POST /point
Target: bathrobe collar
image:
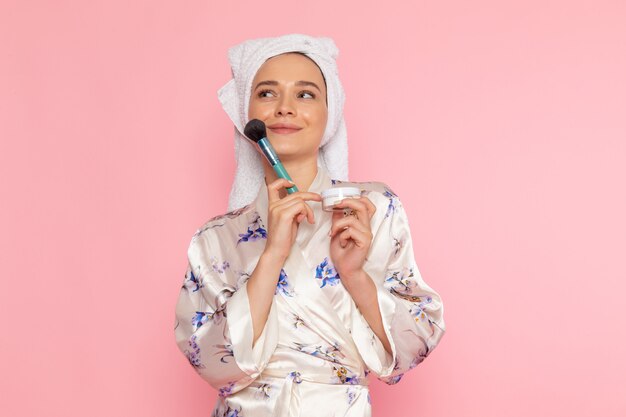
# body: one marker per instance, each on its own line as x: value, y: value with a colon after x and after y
x: 303, y: 266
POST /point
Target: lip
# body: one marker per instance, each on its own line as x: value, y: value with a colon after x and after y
x: 284, y: 128
x: 284, y: 125
x: 284, y: 131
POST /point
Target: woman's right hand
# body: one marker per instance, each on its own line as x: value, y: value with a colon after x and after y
x: 284, y: 216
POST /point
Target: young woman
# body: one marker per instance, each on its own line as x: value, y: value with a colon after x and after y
x: 286, y: 308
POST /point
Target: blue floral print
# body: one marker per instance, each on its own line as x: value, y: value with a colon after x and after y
x: 351, y: 391
x: 417, y: 308
x: 330, y: 353
x: 393, y: 379
x: 200, y: 318
x: 263, y: 391
x: 296, y: 376
x: 225, y: 391
x: 203, y: 317
x: 221, y: 261
x: 326, y: 273
x: 217, y: 267
x: 393, y: 199
x: 342, y: 374
x: 193, y: 355
x: 416, y: 361
x: 255, y: 231
x: 228, y: 412
x: 191, y: 278
x: 283, y: 285
x: 402, y: 283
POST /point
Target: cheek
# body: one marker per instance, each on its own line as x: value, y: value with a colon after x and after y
x: 319, y: 118
x: 323, y: 119
x: 257, y: 110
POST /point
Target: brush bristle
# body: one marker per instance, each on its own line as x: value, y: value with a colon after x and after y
x: 255, y: 130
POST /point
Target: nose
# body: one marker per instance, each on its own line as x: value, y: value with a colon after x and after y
x: 285, y: 106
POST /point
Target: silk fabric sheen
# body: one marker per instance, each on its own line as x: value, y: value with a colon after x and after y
x: 316, y: 349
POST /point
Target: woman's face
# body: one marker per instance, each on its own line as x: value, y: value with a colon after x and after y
x: 289, y: 90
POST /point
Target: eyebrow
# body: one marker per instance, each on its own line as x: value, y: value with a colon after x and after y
x: 298, y: 83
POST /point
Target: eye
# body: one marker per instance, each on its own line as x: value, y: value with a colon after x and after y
x: 309, y: 93
x: 263, y: 92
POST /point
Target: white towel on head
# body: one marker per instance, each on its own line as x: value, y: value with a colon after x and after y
x: 245, y: 60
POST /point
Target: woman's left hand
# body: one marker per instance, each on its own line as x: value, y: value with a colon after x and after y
x: 351, y: 238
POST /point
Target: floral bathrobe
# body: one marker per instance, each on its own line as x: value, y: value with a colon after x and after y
x: 316, y: 349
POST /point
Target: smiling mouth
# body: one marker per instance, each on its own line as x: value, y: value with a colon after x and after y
x: 284, y: 130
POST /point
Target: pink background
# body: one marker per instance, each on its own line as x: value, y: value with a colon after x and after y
x: 501, y: 125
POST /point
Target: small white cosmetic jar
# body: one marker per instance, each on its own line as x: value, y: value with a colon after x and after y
x: 333, y: 196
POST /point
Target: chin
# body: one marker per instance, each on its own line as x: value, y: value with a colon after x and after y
x: 287, y: 154
x: 287, y: 145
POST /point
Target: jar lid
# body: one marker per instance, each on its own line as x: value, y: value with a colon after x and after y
x: 341, y: 192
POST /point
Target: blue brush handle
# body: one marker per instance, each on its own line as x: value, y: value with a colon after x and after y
x: 271, y: 156
x: 282, y: 173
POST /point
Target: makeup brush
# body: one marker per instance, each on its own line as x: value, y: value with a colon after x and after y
x: 255, y: 131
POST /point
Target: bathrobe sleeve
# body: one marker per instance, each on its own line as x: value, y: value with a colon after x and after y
x: 213, y: 320
x: 412, y: 312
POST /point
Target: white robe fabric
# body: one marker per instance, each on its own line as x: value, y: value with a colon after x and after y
x: 316, y: 349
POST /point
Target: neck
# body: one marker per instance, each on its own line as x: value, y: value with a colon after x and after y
x: 302, y: 173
